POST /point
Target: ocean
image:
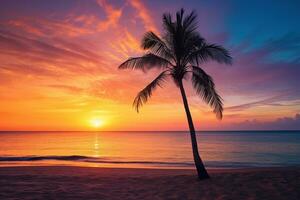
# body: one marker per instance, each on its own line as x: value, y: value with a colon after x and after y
x: 218, y: 149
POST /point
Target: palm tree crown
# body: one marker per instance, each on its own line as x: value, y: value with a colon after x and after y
x: 180, y: 51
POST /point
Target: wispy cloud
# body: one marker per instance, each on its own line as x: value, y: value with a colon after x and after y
x: 283, y: 123
x: 68, y: 88
x: 272, y: 101
x: 58, y: 53
x: 144, y: 14
x: 112, y: 16
x: 48, y: 27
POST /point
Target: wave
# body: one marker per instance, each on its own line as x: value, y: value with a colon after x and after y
x: 74, y: 158
x: 39, y: 158
x: 86, y: 159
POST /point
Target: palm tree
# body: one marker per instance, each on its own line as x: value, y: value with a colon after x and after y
x: 179, y: 53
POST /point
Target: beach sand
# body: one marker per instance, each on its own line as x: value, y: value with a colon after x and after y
x: 55, y: 182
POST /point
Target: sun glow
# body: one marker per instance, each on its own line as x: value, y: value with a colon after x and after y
x: 96, y: 123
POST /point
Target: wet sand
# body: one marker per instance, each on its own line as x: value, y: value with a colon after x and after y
x: 62, y: 182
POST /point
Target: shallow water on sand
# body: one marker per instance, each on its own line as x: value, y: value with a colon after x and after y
x: 238, y: 149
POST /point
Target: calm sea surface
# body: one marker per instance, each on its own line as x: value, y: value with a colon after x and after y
x: 150, y: 149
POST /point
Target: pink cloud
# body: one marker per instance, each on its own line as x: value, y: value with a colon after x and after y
x: 113, y: 16
x: 283, y: 123
x: 144, y: 14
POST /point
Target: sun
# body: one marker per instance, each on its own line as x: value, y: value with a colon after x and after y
x: 96, y: 123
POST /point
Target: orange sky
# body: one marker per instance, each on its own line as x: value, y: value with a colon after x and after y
x: 59, y: 72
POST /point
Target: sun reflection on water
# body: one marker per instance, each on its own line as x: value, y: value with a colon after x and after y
x: 96, y: 145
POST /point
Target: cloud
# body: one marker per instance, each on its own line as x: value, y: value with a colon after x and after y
x: 273, y: 101
x: 113, y: 16
x: 69, y: 25
x: 69, y: 88
x: 48, y: 27
x: 20, y: 43
x: 284, y: 123
x: 124, y: 46
x: 30, y: 55
x: 288, y: 42
x: 144, y: 14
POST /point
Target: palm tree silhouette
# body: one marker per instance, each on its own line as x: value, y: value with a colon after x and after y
x: 180, y: 52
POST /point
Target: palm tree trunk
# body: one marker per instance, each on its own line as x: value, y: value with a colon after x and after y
x: 202, y: 173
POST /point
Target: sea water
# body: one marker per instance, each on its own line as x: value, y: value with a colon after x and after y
x: 218, y: 149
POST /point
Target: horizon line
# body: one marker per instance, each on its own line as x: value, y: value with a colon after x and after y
x: 145, y: 130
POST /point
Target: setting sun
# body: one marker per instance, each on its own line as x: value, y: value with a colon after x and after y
x: 96, y: 123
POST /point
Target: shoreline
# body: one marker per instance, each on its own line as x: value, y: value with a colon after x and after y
x: 69, y: 182
x: 219, y: 169
x: 209, y: 169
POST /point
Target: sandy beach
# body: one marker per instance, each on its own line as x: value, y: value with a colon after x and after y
x: 61, y: 182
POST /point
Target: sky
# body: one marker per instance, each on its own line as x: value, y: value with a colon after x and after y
x: 59, y: 60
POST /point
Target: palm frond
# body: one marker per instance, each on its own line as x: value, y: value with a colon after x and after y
x: 156, y: 45
x: 168, y: 24
x: 181, y: 35
x: 210, y: 52
x: 179, y: 17
x: 194, y: 41
x: 143, y: 96
x: 145, y: 62
x: 190, y: 22
x: 205, y: 87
